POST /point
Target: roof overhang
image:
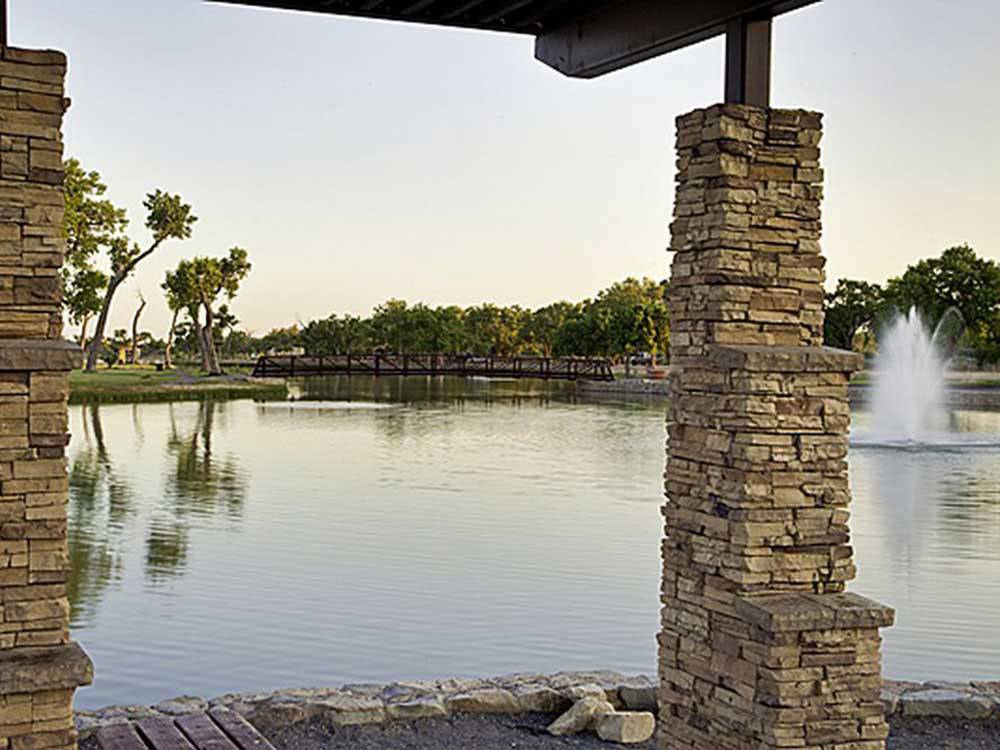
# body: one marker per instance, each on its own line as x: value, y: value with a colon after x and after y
x: 580, y: 38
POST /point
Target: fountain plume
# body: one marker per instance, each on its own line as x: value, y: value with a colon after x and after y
x: 910, y: 370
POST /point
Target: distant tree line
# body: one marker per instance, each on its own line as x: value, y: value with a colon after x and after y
x: 958, y: 279
x: 627, y: 318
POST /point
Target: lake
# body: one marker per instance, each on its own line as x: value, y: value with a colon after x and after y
x: 383, y: 530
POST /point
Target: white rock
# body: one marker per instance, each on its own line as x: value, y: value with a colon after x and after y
x: 626, y: 727
x: 580, y: 717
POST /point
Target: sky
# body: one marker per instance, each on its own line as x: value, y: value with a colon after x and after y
x: 360, y: 160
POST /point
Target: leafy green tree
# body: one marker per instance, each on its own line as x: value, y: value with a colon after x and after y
x: 852, y: 306
x: 958, y: 279
x: 82, y: 296
x: 90, y: 224
x: 178, y: 288
x: 167, y: 217
x: 209, y: 278
x: 541, y: 330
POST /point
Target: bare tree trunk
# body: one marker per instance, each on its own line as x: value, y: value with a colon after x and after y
x: 168, y: 351
x: 133, y: 357
x: 102, y: 321
x: 208, y: 332
x: 83, y: 331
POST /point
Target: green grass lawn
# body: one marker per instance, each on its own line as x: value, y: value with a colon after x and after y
x: 131, y: 384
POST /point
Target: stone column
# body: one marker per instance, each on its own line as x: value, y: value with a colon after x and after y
x: 760, y: 646
x: 39, y: 666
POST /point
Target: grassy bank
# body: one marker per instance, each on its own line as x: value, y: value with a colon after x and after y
x: 137, y: 384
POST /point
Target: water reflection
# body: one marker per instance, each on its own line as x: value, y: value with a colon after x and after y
x: 106, y: 515
x: 436, y: 528
x: 927, y: 527
x: 101, y: 501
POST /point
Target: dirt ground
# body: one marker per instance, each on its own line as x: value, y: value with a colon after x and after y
x: 527, y: 732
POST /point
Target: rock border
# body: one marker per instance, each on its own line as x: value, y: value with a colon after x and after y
x: 354, y: 704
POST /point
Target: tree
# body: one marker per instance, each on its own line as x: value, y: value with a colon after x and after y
x: 180, y: 296
x: 90, y: 223
x: 83, y: 295
x: 225, y: 323
x: 852, y: 306
x: 133, y: 355
x: 958, y: 279
x: 210, y: 278
x: 167, y: 217
x: 542, y: 328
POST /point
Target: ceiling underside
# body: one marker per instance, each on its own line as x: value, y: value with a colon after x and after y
x: 583, y: 38
x: 518, y: 16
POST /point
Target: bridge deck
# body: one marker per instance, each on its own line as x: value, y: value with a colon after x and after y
x: 545, y: 368
x: 219, y: 729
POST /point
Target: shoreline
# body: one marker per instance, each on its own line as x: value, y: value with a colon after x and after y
x: 143, y: 385
x: 381, y: 704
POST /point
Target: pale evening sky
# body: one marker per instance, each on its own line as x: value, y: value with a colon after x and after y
x: 361, y: 160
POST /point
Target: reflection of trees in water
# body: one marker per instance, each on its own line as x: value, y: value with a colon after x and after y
x: 102, y: 501
x: 199, y: 484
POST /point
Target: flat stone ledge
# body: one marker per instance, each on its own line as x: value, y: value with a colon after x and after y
x: 32, y: 355
x: 38, y: 669
x: 793, y: 612
x: 759, y: 358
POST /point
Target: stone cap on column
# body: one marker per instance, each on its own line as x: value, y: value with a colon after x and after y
x: 795, y: 611
x: 759, y: 358
x: 39, y: 354
x: 32, y: 670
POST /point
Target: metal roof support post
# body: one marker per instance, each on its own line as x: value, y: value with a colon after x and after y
x: 748, y: 61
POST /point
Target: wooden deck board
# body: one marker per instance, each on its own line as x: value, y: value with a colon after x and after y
x: 120, y: 737
x: 244, y: 736
x: 219, y: 730
x: 203, y: 733
x: 161, y: 734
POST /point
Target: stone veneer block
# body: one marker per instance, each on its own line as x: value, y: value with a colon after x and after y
x: 39, y: 666
x: 760, y: 647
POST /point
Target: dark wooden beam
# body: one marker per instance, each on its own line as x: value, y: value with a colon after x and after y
x: 3, y: 22
x: 748, y: 61
x: 629, y: 31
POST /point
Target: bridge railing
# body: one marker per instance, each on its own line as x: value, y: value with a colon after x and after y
x: 546, y: 368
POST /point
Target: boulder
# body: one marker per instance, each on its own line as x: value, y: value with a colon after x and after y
x: 182, y: 705
x: 639, y: 694
x: 540, y: 699
x: 488, y: 700
x: 946, y: 704
x: 580, y: 717
x: 417, y: 707
x: 271, y: 716
x: 344, y: 709
x: 626, y: 727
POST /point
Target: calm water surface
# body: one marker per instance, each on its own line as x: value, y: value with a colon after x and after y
x: 436, y: 528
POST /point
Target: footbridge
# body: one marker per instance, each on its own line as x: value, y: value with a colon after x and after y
x: 544, y: 368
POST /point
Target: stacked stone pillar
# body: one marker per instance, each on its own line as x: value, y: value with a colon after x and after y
x: 760, y: 645
x: 39, y: 666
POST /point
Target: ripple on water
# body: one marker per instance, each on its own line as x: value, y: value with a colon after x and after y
x: 235, y: 546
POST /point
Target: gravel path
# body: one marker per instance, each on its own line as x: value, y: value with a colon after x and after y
x: 526, y: 732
